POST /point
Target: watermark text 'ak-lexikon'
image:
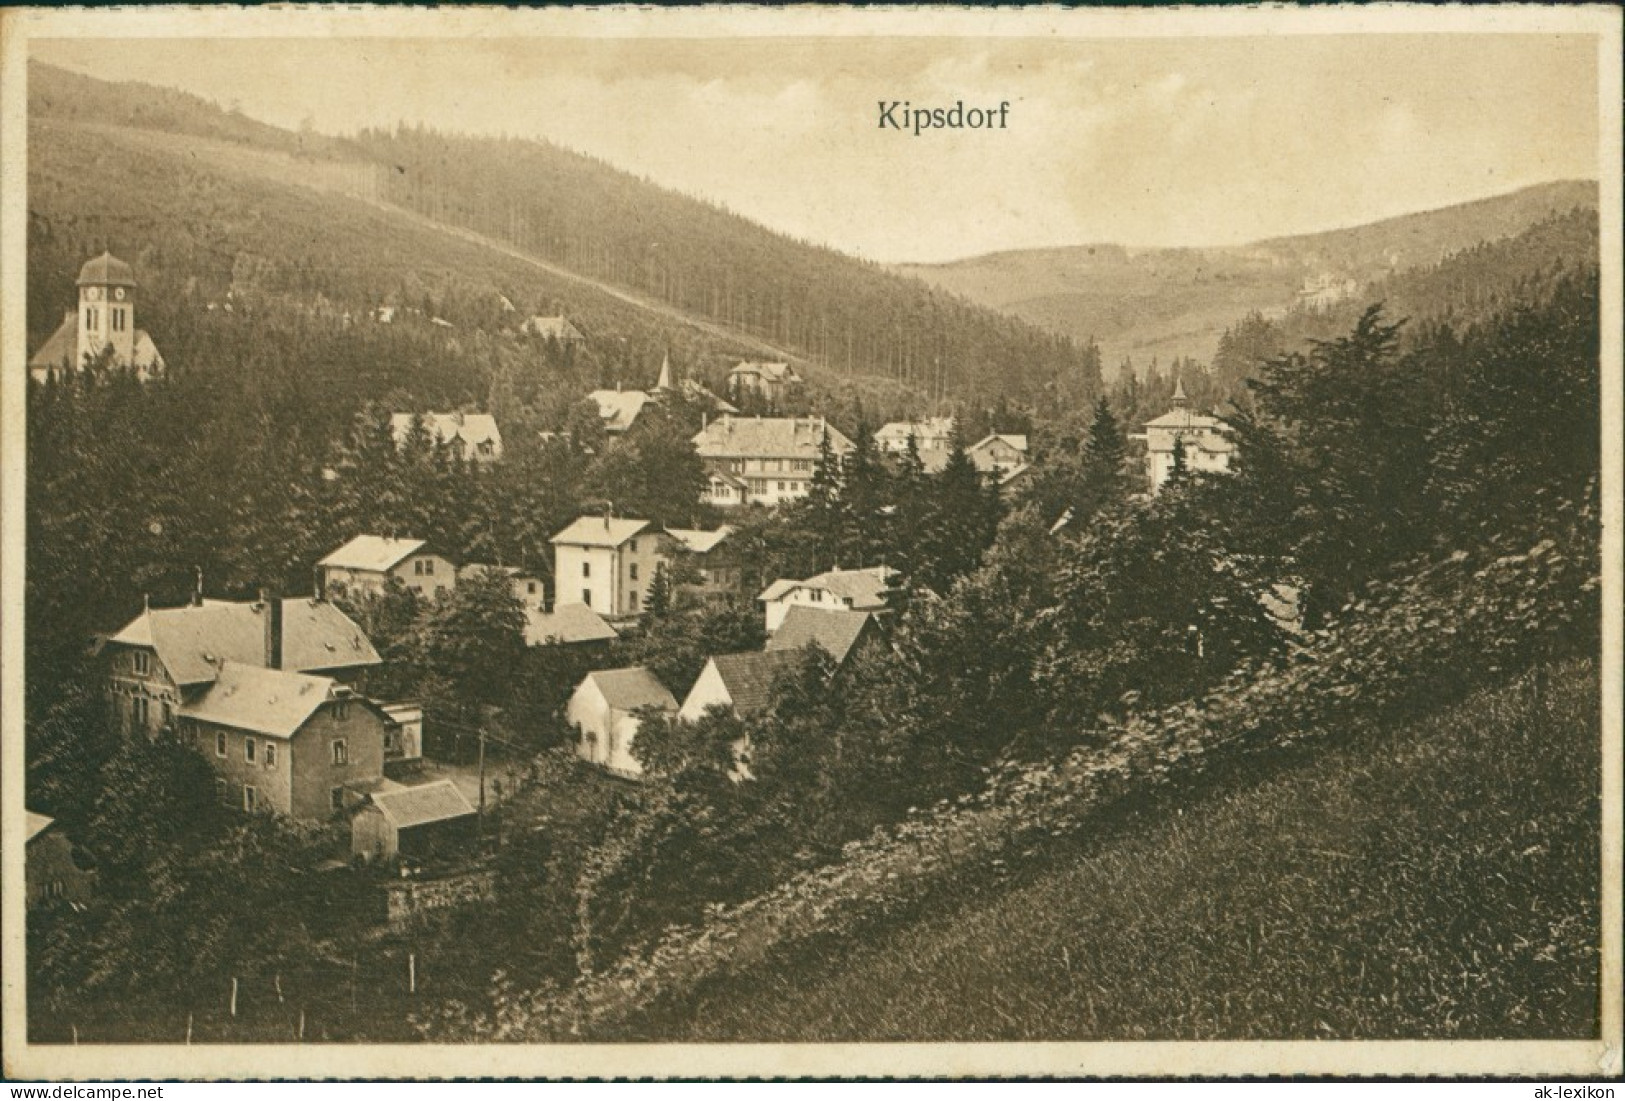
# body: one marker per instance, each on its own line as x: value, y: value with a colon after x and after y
x: 900, y: 114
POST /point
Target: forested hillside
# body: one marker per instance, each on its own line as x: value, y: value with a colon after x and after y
x: 1173, y: 303
x: 851, y: 318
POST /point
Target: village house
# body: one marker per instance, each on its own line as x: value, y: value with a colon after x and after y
x: 703, y: 563
x: 287, y: 742
x: 1206, y: 441
x: 103, y: 323
x: 838, y: 634
x: 930, y: 434
x: 470, y: 437
x: 604, y: 710
x: 559, y: 329
x: 620, y: 409
x: 51, y: 874
x: 413, y: 822
x: 764, y: 460
x: 864, y: 590
x: 166, y: 657
x: 608, y: 561
x: 740, y: 686
x: 367, y: 564
x: 771, y: 382
x: 526, y: 588
x: 567, y: 625
x: 999, y: 454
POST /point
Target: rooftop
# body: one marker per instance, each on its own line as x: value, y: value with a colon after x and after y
x: 266, y: 701
x: 770, y: 437
x: 106, y: 270
x: 696, y: 541
x: 599, y: 531
x: 472, y: 429
x: 749, y: 677
x: 620, y: 408
x: 375, y: 553
x: 630, y: 689
x: 865, y: 589
x: 565, y: 624
x: 192, y: 640
x: 836, y: 633
x: 440, y: 801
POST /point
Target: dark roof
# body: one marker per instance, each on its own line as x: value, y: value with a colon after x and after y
x: 749, y: 677
x: 106, y: 270
x: 837, y: 633
x: 440, y: 801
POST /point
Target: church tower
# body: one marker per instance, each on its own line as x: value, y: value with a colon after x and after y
x: 107, y: 309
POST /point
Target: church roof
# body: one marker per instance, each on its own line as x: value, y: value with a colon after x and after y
x: 106, y: 270
x: 60, y: 347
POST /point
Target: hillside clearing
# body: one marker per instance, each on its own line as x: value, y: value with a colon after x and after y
x: 1437, y: 880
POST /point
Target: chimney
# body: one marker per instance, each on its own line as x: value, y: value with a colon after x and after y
x: 273, y: 630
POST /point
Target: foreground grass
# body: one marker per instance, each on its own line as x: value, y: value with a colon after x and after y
x: 1436, y: 880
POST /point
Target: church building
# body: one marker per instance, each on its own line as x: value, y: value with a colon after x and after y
x: 104, y: 322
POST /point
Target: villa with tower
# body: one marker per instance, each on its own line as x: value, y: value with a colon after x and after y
x: 1204, y: 440
x: 103, y: 323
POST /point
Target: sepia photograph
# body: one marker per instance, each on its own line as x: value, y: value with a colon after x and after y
x: 816, y: 542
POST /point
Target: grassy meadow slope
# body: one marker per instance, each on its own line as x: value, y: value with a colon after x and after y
x: 1175, y: 302
x: 1432, y: 879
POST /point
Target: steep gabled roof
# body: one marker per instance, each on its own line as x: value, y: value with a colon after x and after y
x: 599, y: 531
x: 192, y: 641
x: 630, y: 689
x: 374, y: 553
x: 440, y: 801
x: 565, y: 624
x: 37, y: 824
x: 836, y: 633
x: 265, y: 701
x: 1017, y: 442
x: 749, y: 677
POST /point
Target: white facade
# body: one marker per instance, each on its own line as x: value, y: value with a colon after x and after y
x: 764, y: 460
x: 426, y: 574
x: 608, y: 568
x: 606, y: 728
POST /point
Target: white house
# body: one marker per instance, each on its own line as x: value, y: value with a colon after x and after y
x: 368, y: 562
x: 764, y: 460
x: 930, y: 434
x: 837, y: 590
x: 471, y: 437
x: 603, y: 709
x: 104, y: 322
x: 619, y: 408
x: 1207, y: 444
x: 607, y: 563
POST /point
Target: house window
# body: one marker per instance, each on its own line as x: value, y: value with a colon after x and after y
x: 417, y: 567
x: 586, y: 596
x: 586, y: 569
x: 251, y: 798
x: 248, y: 750
x: 140, y: 705
x: 781, y: 487
x: 341, y: 752
x: 222, y: 792
x: 428, y: 566
x: 341, y: 711
x: 118, y: 321
x: 219, y: 743
x: 634, y: 599
x: 143, y: 662
x: 634, y: 574
x: 530, y: 587
x: 270, y: 754
x: 337, y: 798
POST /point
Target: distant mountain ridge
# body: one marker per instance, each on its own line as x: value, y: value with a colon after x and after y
x: 1175, y: 302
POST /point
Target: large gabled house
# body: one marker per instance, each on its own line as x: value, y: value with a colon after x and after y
x: 771, y: 382
x: 704, y: 564
x: 1206, y: 441
x: 764, y: 460
x: 367, y: 564
x: 998, y: 454
x: 165, y: 658
x: 296, y: 744
x: 608, y: 563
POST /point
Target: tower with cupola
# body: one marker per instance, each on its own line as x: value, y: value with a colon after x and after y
x: 104, y: 323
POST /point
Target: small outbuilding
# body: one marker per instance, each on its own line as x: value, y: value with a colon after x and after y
x: 412, y: 822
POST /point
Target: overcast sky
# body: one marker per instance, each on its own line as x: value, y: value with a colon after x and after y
x: 1183, y: 141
